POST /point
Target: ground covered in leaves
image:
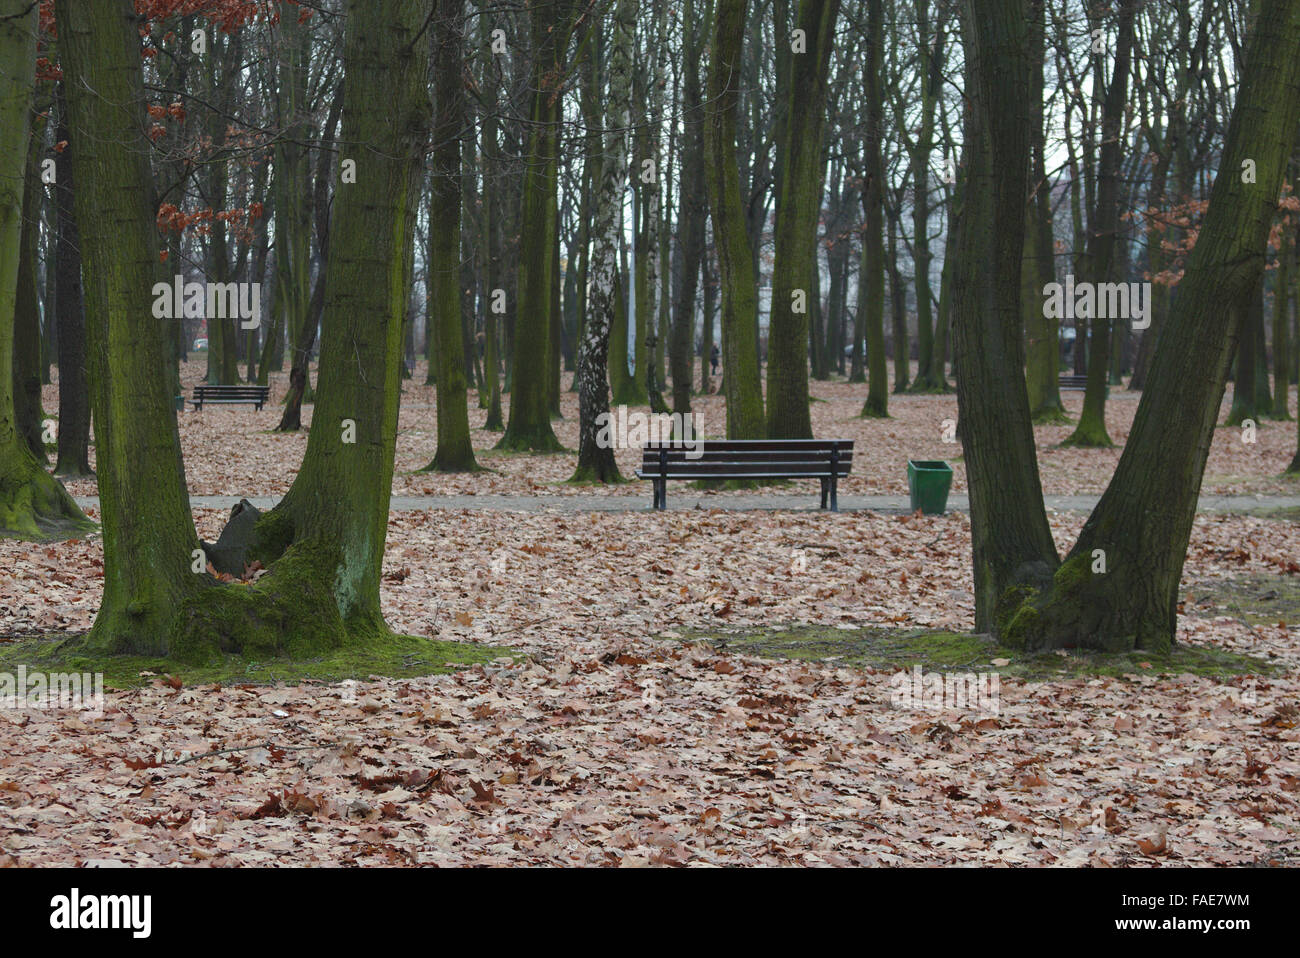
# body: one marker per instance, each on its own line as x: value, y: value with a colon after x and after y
x: 628, y: 722
x: 233, y: 450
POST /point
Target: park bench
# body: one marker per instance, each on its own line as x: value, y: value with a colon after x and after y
x: 1079, y: 383
x: 228, y: 395
x: 826, y: 459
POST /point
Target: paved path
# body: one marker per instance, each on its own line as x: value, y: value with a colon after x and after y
x: 685, y: 499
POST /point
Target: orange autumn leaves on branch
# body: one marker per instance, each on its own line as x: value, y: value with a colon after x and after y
x: 1176, y: 228
x: 239, y: 222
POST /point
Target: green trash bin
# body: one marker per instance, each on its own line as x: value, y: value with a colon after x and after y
x: 928, y: 481
x: 180, y: 403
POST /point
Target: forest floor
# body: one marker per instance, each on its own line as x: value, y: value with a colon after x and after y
x: 702, y: 686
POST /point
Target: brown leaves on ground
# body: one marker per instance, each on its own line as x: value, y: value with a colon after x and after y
x: 235, y: 450
x: 607, y: 746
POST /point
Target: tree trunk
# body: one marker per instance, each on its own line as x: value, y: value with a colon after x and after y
x: 798, y: 211
x: 1102, y: 227
x: 871, y: 279
x: 596, y: 461
x: 1281, y: 307
x: 33, y: 504
x: 28, y: 414
x: 455, y: 453
x: 1011, y: 541
x: 529, y: 428
x: 929, y: 377
x: 293, y: 214
x: 74, y: 399
x: 735, y: 257
x: 1043, y: 333
x: 326, y: 537
x: 1245, y: 405
x: 1139, y: 531
x: 693, y: 210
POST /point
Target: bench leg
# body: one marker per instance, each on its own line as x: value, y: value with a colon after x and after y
x: 826, y: 485
x: 835, y: 499
x: 661, y: 494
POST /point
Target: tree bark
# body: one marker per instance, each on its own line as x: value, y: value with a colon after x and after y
x: 871, y: 277
x: 1011, y: 542
x: 735, y: 256
x: 33, y: 504
x: 74, y: 398
x: 1043, y: 333
x: 596, y: 461
x: 455, y: 453
x: 1102, y: 227
x: 1141, y: 526
x: 529, y: 428
x: 798, y: 211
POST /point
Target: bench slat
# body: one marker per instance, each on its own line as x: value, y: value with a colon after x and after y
x: 758, y: 444
x: 205, y: 395
x: 738, y: 456
x: 826, y: 459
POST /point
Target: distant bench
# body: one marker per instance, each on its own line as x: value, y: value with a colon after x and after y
x: 1076, y: 382
x: 230, y: 395
x: 826, y: 459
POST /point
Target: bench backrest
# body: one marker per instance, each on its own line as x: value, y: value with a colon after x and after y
x: 225, y: 392
x: 755, y: 458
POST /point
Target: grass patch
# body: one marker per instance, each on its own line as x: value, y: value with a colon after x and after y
x: 891, y: 649
x: 1254, y: 599
x: 1284, y: 513
x: 399, y: 656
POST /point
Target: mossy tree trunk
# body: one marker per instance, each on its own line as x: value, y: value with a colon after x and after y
x: 74, y: 397
x: 292, y: 191
x: 798, y: 211
x: 1245, y: 404
x: 326, y: 538
x: 871, y: 277
x: 149, y: 535
x: 455, y: 452
x: 32, y: 503
x: 1042, y: 348
x: 28, y: 414
x: 735, y: 258
x: 929, y: 376
x: 223, y: 332
x: 494, y: 243
x: 650, y: 266
x: 1102, y: 228
x: 1281, y: 321
x: 596, y: 460
x: 693, y: 210
x: 529, y: 427
x: 1141, y: 527
x: 1011, y: 541
x: 897, y: 302
x: 708, y: 295
x: 627, y: 388
x: 1263, y: 394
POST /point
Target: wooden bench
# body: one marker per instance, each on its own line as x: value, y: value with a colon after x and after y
x: 826, y: 459
x: 1079, y: 383
x: 229, y: 395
